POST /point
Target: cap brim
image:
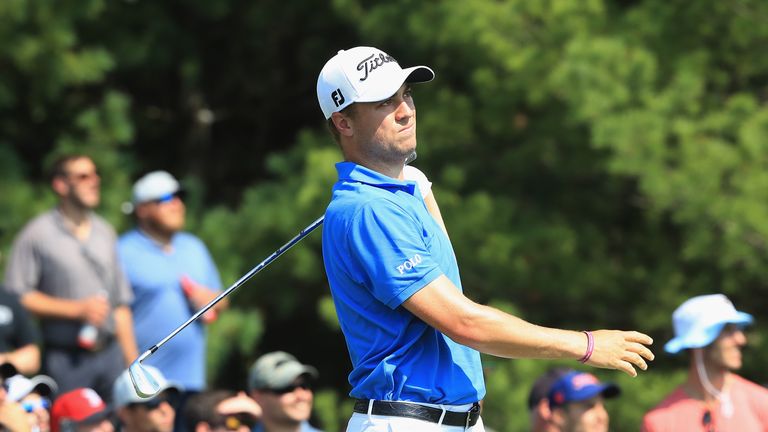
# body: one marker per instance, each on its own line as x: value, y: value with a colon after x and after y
x: 706, y: 336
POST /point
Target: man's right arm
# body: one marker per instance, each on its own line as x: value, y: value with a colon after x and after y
x: 441, y: 305
x: 92, y: 309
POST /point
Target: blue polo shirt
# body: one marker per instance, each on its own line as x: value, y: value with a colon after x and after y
x: 380, y: 246
x: 160, y: 306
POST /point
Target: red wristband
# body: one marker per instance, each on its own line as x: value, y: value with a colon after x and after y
x: 590, y: 347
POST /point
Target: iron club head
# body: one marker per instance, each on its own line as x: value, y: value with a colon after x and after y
x: 143, y: 382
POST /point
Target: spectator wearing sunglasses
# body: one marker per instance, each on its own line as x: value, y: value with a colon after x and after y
x: 34, y: 394
x: 282, y: 387
x: 221, y: 411
x: 713, y: 397
x: 64, y: 268
x: 172, y: 275
x: 136, y: 414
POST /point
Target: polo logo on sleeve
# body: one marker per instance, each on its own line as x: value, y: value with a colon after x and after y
x: 409, y: 264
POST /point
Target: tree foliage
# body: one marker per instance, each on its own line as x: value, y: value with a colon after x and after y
x: 596, y: 162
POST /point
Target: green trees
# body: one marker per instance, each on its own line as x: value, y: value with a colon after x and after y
x: 596, y: 162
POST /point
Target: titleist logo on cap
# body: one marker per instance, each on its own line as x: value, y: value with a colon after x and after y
x: 372, y: 62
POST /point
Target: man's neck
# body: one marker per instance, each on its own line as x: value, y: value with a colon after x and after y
x: 280, y: 427
x: 160, y: 237
x: 76, y: 218
x: 718, y: 377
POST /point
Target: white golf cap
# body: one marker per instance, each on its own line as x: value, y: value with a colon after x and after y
x: 20, y: 386
x: 153, y: 186
x: 699, y: 321
x: 124, y: 394
x: 363, y: 74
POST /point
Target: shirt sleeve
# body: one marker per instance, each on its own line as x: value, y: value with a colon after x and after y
x: 390, y: 246
x: 25, y: 331
x: 22, y: 274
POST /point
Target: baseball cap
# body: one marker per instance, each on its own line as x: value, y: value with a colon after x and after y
x: 154, y: 185
x: 82, y: 405
x: 276, y: 370
x: 578, y: 386
x: 363, y: 74
x: 699, y: 320
x: 123, y: 392
x: 20, y: 386
x: 541, y: 386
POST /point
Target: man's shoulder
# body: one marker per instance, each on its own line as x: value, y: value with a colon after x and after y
x: 39, y: 225
x: 755, y: 390
x: 186, y: 238
x: 670, y: 406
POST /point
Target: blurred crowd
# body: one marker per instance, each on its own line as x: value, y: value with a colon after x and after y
x: 101, y: 298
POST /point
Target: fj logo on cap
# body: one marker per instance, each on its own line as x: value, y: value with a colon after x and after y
x: 338, y: 97
x: 372, y: 62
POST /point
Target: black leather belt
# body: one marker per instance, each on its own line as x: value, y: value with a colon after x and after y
x: 421, y: 412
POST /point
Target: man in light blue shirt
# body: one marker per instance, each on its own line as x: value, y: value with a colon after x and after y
x: 172, y: 275
x: 413, y: 337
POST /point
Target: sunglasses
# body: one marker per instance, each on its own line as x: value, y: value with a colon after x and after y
x: 235, y: 421
x: 81, y: 177
x: 168, y: 197
x: 291, y: 388
x: 32, y: 406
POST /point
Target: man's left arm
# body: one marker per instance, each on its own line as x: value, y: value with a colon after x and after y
x: 124, y: 333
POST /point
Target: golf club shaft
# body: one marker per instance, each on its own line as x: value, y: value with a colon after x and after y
x: 236, y: 285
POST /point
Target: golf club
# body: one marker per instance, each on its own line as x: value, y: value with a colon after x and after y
x: 143, y: 382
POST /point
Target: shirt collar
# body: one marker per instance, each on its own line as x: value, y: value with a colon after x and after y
x: 352, y: 172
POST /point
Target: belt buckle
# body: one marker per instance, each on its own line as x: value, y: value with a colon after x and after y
x: 475, y: 408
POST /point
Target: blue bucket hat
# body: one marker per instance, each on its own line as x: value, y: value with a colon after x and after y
x: 699, y: 321
x: 578, y: 386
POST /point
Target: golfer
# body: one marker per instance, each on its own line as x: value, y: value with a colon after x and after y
x: 413, y: 337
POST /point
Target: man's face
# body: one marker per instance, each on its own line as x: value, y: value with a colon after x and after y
x: 80, y: 184
x: 725, y: 352
x: 583, y: 416
x: 166, y: 214
x: 157, y: 415
x: 288, y: 406
x: 386, y: 130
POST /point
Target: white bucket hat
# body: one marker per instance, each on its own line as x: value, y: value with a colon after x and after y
x: 699, y: 320
x: 363, y: 74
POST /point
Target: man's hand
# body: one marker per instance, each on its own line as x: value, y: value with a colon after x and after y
x: 94, y: 310
x: 621, y: 350
x: 13, y: 417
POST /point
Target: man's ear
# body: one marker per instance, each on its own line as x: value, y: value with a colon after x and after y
x: 202, y: 427
x: 59, y: 186
x: 558, y: 416
x: 542, y: 408
x: 343, y: 124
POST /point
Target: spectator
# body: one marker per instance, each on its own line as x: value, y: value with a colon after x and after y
x: 577, y: 403
x: 714, y: 397
x: 18, y: 335
x: 172, y: 275
x: 136, y: 414
x: 538, y: 401
x: 80, y: 410
x: 34, y: 394
x: 64, y: 267
x: 13, y: 418
x: 283, y: 389
x: 220, y: 410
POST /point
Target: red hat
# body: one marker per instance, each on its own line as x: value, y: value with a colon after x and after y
x: 81, y: 405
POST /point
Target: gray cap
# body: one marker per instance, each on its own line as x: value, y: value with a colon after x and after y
x: 277, y: 370
x: 124, y: 394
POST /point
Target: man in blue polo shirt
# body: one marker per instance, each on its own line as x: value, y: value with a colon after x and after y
x: 412, y: 336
